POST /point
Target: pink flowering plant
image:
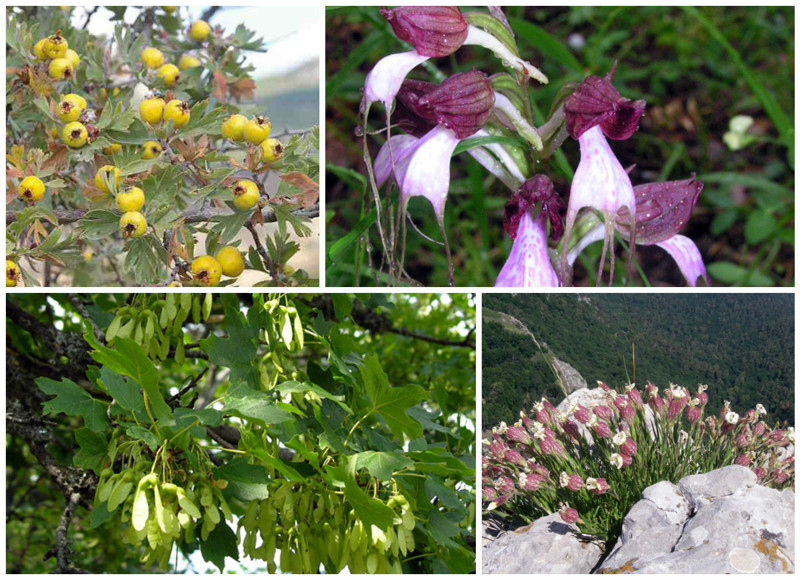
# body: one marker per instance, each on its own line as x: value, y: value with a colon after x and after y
x: 590, y: 462
x: 488, y: 114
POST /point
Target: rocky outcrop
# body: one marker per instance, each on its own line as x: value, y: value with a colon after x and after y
x: 570, y: 377
x: 548, y: 544
x: 720, y: 522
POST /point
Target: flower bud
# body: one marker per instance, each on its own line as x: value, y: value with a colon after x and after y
x: 518, y: 434
x: 434, y: 31
x: 550, y: 446
x: 568, y: 514
x: 603, y: 412
x: 628, y: 448
x: 742, y: 460
x: 602, y: 430
x: 514, y: 456
x: 463, y: 103
x: 693, y: 414
x: 582, y: 414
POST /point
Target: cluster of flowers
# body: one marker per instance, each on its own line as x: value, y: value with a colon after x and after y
x: 577, y: 457
x: 436, y: 118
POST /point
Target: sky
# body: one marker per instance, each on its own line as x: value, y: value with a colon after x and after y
x: 294, y: 34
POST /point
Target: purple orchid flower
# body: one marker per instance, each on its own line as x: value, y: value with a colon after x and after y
x: 662, y: 209
x: 596, y: 110
x: 455, y: 110
x: 435, y: 31
x: 529, y: 265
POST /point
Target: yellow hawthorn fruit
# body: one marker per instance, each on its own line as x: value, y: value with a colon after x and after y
x: 170, y: 74
x: 245, y: 194
x: 199, y: 30
x: 151, y: 150
x: 12, y: 274
x: 70, y: 107
x: 272, y: 150
x: 132, y: 224
x: 206, y: 270
x: 75, y: 135
x: 188, y: 61
x: 257, y: 129
x: 152, y: 110
x: 55, y: 46
x: 60, y: 69
x: 131, y: 200
x: 102, y: 178
x: 113, y: 148
x: 73, y: 58
x: 31, y: 189
x: 178, y: 112
x: 288, y: 270
x: 230, y: 260
x: 152, y: 57
x: 233, y: 127
x: 38, y: 50
x: 169, y: 9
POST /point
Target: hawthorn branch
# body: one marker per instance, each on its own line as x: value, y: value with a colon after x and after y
x: 204, y: 214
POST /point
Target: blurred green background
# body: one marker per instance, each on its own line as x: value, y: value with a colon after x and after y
x: 696, y: 67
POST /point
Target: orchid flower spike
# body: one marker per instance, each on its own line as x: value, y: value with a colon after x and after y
x: 596, y: 110
x: 456, y: 109
x: 434, y: 31
x: 525, y: 221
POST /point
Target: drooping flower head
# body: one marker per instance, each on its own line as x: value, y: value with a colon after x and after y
x: 568, y: 515
x: 596, y: 109
x: 434, y: 31
x: 597, y: 486
x: 526, y: 216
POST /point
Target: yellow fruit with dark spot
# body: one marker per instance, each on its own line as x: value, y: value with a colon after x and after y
x: 151, y: 150
x: 170, y: 74
x: 55, y: 46
x: 131, y: 200
x: 245, y: 194
x: 152, y: 110
x: 113, y: 148
x: 38, y: 50
x: 178, y: 112
x: 272, y: 150
x: 206, y: 270
x: 75, y: 135
x: 132, y: 224
x: 103, y: 178
x: 233, y: 127
x: 230, y: 260
x: 31, y: 189
x: 257, y: 129
x: 73, y: 58
x: 152, y: 57
x: 12, y: 274
x: 70, y: 107
x: 188, y: 61
x: 60, y: 69
x: 199, y: 30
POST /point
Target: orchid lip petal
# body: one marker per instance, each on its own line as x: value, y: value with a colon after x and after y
x: 482, y: 38
x: 600, y: 181
x: 528, y: 264
x: 687, y: 256
x: 395, y: 149
x: 596, y: 234
x: 425, y: 169
x: 384, y: 80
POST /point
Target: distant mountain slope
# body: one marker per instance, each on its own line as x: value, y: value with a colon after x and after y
x: 741, y: 345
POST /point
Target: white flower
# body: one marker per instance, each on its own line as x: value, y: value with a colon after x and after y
x: 790, y: 434
x: 592, y: 420
x: 617, y: 460
x: 619, y: 438
x: 760, y: 410
x: 573, y: 406
x: 563, y: 479
x: 702, y: 388
x: 486, y: 442
x: 538, y: 430
x: 538, y: 406
x: 731, y: 417
x: 501, y: 429
x: 630, y: 387
x: 677, y: 391
x: 561, y: 417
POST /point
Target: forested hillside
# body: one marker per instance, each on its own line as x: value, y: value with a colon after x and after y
x: 741, y: 345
